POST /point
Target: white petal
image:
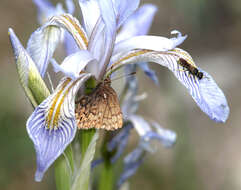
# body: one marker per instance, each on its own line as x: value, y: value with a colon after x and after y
x: 156, y: 43
x: 74, y: 63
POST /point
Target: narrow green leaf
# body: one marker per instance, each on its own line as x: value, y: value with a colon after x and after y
x: 81, y: 180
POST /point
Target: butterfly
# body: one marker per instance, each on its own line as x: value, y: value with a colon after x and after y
x: 100, y: 109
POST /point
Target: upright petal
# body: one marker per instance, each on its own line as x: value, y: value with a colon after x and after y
x: 123, y: 9
x: 41, y: 46
x: 52, y: 125
x: 30, y: 79
x: 91, y: 13
x: 137, y: 24
x: 109, y: 19
x: 74, y: 63
x: 204, y: 91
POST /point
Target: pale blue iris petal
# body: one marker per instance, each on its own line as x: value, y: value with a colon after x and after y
x: 131, y: 163
x: 141, y: 125
x: 74, y: 63
x: 156, y: 43
x: 70, y: 44
x: 47, y: 10
x: 119, y: 141
x: 41, y: 46
x: 109, y: 19
x: 70, y: 6
x: 137, y: 24
x: 205, y: 92
x: 123, y: 9
x: 149, y: 72
x: 165, y: 136
x: 91, y: 13
x: 50, y: 143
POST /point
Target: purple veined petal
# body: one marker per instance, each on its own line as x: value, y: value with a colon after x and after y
x: 41, y: 46
x: 73, y: 64
x: 96, y: 163
x: 137, y: 24
x: 149, y: 72
x: 166, y: 136
x: 155, y: 43
x: 123, y: 9
x: 47, y: 10
x: 91, y: 13
x: 131, y: 163
x: 70, y: 6
x: 72, y: 25
x: 204, y: 91
x: 141, y: 125
x: 52, y: 125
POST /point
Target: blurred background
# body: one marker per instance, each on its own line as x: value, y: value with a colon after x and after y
x: 206, y: 156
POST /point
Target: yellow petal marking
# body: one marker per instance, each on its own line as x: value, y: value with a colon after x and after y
x: 51, y: 109
x: 79, y: 30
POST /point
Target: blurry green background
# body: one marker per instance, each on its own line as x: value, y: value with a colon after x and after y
x: 206, y: 156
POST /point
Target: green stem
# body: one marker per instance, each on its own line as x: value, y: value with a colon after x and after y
x: 85, y: 138
x: 107, y: 177
x: 64, y: 167
x: 107, y: 173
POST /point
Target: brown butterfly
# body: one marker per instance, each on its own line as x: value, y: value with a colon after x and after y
x: 100, y: 109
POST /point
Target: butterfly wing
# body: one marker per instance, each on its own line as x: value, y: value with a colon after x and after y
x: 100, y: 110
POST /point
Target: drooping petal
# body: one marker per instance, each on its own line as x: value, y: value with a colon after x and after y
x: 47, y: 10
x: 30, y: 79
x: 73, y: 64
x: 52, y: 125
x: 156, y: 43
x: 72, y: 25
x: 123, y: 9
x: 91, y: 13
x: 137, y: 24
x: 41, y: 46
x: 204, y: 91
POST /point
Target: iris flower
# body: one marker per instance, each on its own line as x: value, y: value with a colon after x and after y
x: 109, y: 39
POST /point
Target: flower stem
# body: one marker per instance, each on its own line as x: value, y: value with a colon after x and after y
x: 107, y: 173
x: 64, y: 167
x: 85, y: 138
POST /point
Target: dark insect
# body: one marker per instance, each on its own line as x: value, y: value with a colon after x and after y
x: 191, y: 68
x: 100, y: 109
